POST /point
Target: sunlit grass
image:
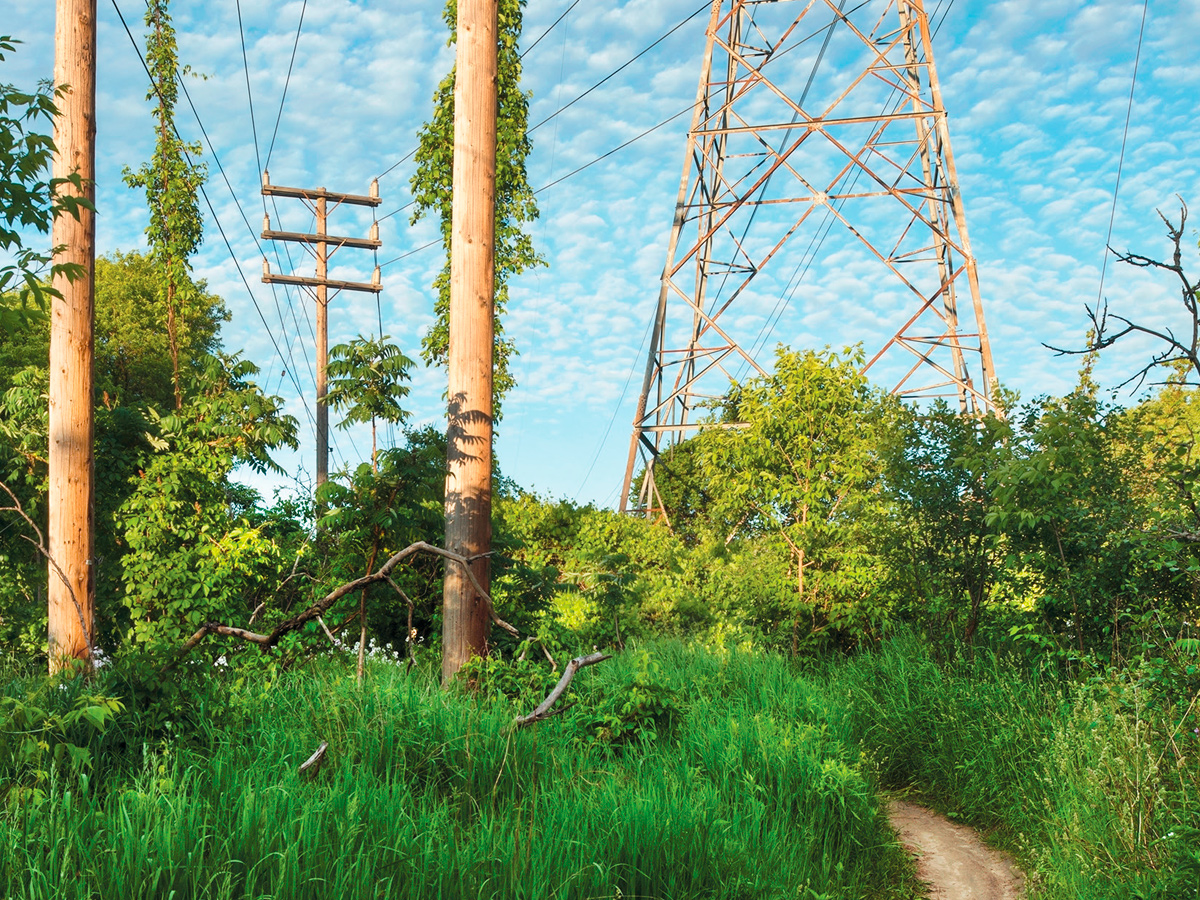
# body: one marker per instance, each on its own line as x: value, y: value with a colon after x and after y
x: 1089, y: 781
x: 752, y: 790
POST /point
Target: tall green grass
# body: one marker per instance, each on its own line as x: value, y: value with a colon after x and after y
x: 751, y: 790
x: 1095, y: 783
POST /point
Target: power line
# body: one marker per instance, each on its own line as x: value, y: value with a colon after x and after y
x: 550, y: 29
x: 606, y: 78
x: 208, y: 201
x: 249, y: 96
x: 287, y: 81
x: 605, y: 156
x: 254, y: 236
x: 1121, y: 160
x: 616, y: 409
x: 410, y: 253
x: 619, y: 69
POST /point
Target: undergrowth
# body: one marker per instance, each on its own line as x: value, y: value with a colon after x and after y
x: 677, y: 773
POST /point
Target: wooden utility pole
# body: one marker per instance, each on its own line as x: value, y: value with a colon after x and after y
x: 318, y: 199
x: 466, y: 622
x: 71, y: 582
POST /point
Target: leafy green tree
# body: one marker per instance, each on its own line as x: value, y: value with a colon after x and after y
x: 367, y: 381
x: 171, y: 182
x: 132, y: 352
x: 189, y: 559
x: 1064, y: 499
x: 683, y: 487
x: 804, y: 469
x: 432, y: 187
x: 28, y: 199
x: 942, y: 549
x: 377, y: 509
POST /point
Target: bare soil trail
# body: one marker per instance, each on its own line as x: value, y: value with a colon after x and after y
x: 951, y: 858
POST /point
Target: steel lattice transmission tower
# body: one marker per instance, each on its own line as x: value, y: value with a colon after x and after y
x: 805, y: 150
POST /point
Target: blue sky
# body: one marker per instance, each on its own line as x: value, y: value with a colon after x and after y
x: 1036, y: 92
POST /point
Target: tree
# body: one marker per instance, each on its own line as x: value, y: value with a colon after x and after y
x: 943, y: 550
x: 189, y: 559
x: 28, y: 200
x: 1063, y: 498
x: 515, y: 205
x: 171, y: 182
x: 133, y: 387
x: 366, y: 378
x: 132, y: 353
x: 804, y: 469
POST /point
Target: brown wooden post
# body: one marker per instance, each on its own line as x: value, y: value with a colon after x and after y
x: 472, y: 279
x: 71, y: 585
x: 323, y: 246
x: 322, y: 350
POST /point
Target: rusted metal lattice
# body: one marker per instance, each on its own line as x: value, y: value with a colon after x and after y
x: 812, y: 122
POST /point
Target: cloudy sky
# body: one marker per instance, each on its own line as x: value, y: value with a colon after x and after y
x: 1037, y: 94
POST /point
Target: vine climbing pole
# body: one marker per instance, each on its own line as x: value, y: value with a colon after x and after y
x: 812, y: 123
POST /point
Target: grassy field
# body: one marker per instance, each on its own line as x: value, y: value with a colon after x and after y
x: 677, y: 774
x: 674, y: 772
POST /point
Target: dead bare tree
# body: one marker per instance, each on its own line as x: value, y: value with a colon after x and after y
x: 1175, y: 350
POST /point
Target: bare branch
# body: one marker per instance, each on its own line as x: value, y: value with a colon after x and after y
x: 542, y: 711
x: 313, y: 764
x: 40, y: 545
x: 1176, y: 350
x: 318, y: 609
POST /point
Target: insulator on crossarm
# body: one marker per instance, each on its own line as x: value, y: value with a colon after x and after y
x: 376, y: 278
x: 374, y: 231
x: 266, y: 268
x: 266, y: 178
x: 374, y: 188
x: 266, y: 222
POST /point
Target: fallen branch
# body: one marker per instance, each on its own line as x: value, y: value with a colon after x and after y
x: 543, y: 709
x: 313, y: 764
x: 322, y: 606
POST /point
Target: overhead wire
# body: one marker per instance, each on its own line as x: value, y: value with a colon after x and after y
x: 203, y: 192
x: 616, y: 410
x: 1112, y: 218
x: 262, y: 168
x: 216, y: 220
x: 562, y: 109
x: 286, y: 82
x: 618, y: 70
x: 254, y: 236
x: 548, y: 30
x: 249, y: 95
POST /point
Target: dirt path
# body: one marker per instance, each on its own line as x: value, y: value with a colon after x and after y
x: 952, y: 859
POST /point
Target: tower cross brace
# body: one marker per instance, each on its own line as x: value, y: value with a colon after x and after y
x: 860, y: 149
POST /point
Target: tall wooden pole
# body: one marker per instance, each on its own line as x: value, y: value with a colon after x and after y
x: 322, y: 350
x: 472, y: 278
x: 72, y: 586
